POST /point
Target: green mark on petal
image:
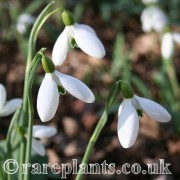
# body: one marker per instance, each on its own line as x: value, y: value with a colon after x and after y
x: 73, y: 43
x: 140, y: 112
x: 61, y: 90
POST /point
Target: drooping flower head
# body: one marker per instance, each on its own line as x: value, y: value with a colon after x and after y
x: 54, y: 84
x: 79, y: 35
x: 23, y: 21
x: 167, y: 45
x: 41, y: 132
x: 153, y: 18
x: 129, y: 110
x: 7, y: 107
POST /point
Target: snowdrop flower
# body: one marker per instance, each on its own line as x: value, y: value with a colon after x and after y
x: 23, y: 21
x: 40, y: 131
x: 79, y: 35
x: 167, y: 46
x: 149, y: 1
x: 153, y: 18
x: 7, y: 107
x: 128, y: 120
x: 53, y: 82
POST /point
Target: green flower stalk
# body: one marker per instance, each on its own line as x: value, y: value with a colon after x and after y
x: 113, y: 94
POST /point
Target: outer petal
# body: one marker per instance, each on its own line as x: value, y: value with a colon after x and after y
x: 159, y: 19
x: 87, y: 28
x: 128, y: 124
x: 2, y: 96
x: 76, y: 87
x: 146, y: 20
x: 38, y: 147
x: 147, y: 25
x: 60, y: 48
x: 10, y: 107
x: 88, y: 41
x: 167, y: 46
x: 48, y: 98
x: 40, y: 131
x: 153, y: 109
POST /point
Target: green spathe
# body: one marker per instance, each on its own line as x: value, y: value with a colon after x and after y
x: 67, y: 18
x: 126, y: 90
x: 48, y: 65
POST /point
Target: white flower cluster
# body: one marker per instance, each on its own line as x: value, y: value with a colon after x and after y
x: 56, y: 83
x: 48, y: 95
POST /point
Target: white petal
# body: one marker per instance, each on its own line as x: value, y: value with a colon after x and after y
x: 21, y: 28
x: 75, y: 87
x: 176, y: 37
x: 147, y: 26
x: 10, y: 107
x: 167, y: 45
x: 88, y: 41
x: 87, y: 28
x: 41, y: 131
x: 38, y: 147
x: 153, y: 109
x: 146, y: 20
x: 60, y: 48
x: 48, y: 98
x: 26, y: 19
x: 159, y: 19
x: 128, y: 124
x: 2, y: 96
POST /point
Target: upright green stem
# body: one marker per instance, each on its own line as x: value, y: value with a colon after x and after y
x: 114, y: 92
x: 8, y: 137
x: 92, y: 142
x: 32, y: 71
x: 27, y: 92
x: 170, y: 70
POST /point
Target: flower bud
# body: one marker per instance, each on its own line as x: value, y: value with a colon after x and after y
x: 126, y: 90
x: 67, y: 18
x: 48, y: 65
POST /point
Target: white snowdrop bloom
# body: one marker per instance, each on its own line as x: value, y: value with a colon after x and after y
x: 85, y: 38
x: 7, y: 107
x: 176, y: 37
x: 167, y: 45
x: 128, y: 121
x: 41, y: 132
x: 149, y: 1
x: 23, y: 21
x: 153, y: 18
x: 48, y: 95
